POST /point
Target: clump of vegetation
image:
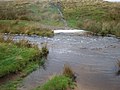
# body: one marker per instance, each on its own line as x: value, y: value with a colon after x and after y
x: 57, y: 83
x: 118, y: 63
x: 97, y: 16
x: 68, y: 72
x: 66, y: 81
x: 44, y: 49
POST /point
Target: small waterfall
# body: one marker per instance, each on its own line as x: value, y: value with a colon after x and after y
x: 62, y: 18
x: 58, y: 6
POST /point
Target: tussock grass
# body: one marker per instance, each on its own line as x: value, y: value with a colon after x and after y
x: 68, y: 72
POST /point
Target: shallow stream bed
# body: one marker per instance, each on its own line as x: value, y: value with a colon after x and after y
x: 92, y: 58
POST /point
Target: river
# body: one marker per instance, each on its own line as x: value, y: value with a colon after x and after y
x: 92, y: 58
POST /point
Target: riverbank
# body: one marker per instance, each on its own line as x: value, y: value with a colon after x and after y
x: 60, y: 82
x: 17, y: 60
x: 24, y: 27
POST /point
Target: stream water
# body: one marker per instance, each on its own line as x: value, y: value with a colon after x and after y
x: 92, y: 58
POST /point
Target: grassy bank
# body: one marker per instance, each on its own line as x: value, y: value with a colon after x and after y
x: 16, y: 79
x: 99, y: 17
x: 18, y: 58
x: 24, y: 27
x: 13, y: 58
x: 57, y: 83
x: 66, y: 81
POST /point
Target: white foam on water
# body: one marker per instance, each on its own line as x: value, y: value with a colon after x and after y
x: 70, y: 31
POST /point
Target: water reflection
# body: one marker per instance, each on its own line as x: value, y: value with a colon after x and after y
x: 43, y: 63
x: 118, y: 64
x: 118, y: 73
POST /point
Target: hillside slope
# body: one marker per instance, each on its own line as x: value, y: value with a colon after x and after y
x: 97, y: 16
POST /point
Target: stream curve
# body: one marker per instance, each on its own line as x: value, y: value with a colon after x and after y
x: 92, y: 58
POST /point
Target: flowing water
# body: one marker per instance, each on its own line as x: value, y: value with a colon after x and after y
x: 92, y: 58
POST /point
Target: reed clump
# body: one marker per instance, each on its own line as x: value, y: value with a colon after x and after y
x: 68, y: 72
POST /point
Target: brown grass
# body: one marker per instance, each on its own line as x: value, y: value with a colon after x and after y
x: 118, y: 63
x: 24, y: 27
x: 68, y: 72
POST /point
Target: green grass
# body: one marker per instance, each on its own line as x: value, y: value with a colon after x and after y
x: 13, y: 58
x: 19, y: 59
x: 57, y: 83
x: 101, y: 17
x: 66, y: 81
x: 13, y: 84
